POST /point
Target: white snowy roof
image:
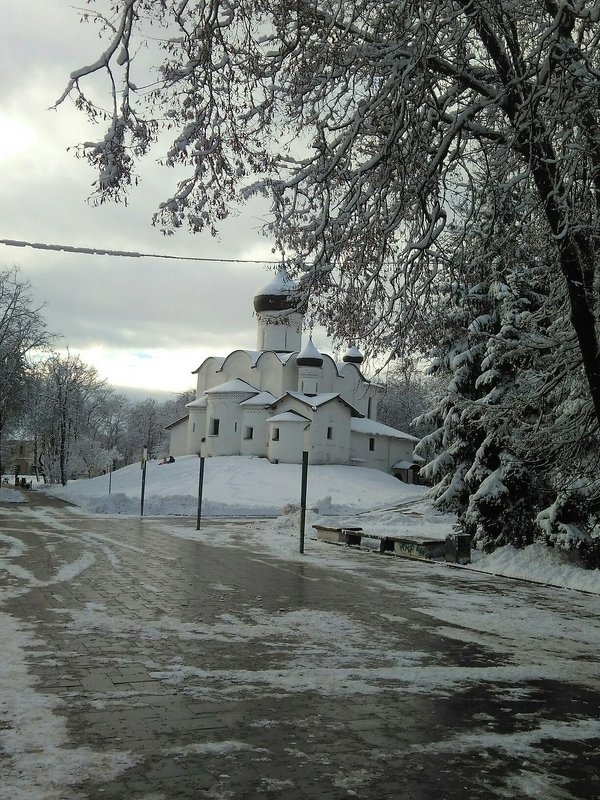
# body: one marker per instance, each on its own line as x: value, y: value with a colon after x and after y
x: 199, y: 402
x: 404, y: 465
x: 254, y: 355
x: 310, y: 351
x: 288, y: 416
x: 260, y: 399
x: 219, y: 360
x: 283, y: 357
x: 280, y: 283
x: 177, y: 422
x: 372, y: 428
x: 353, y: 351
x: 314, y: 399
x: 236, y: 385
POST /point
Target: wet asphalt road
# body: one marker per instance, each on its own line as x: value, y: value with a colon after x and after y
x: 159, y: 667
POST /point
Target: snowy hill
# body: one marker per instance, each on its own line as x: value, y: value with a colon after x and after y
x: 237, y: 486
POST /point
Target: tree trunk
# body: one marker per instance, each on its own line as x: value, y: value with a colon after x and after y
x: 576, y: 262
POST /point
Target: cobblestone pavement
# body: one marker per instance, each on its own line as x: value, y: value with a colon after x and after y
x: 147, y: 665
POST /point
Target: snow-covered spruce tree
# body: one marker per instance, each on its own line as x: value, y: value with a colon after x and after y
x: 458, y: 431
x: 515, y: 433
x: 571, y: 524
x: 371, y: 126
x: 480, y: 463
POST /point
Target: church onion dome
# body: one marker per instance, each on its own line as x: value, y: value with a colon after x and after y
x: 280, y: 294
x: 310, y: 356
x: 353, y: 356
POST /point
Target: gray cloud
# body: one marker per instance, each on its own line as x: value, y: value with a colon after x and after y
x: 123, y: 303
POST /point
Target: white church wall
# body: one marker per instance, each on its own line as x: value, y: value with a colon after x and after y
x: 254, y: 434
x: 237, y: 365
x: 224, y: 421
x: 379, y: 452
x: 310, y: 380
x: 286, y: 442
x: 369, y: 451
x: 196, y: 429
x: 208, y: 375
x: 274, y: 376
x: 330, y: 434
x: 330, y: 381
x: 354, y: 390
x: 178, y: 435
x: 279, y: 331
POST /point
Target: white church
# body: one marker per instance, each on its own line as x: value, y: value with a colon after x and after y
x: 284, y: 398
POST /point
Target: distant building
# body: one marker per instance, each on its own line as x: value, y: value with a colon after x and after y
x: 284, y: 398
x: 21, y: 459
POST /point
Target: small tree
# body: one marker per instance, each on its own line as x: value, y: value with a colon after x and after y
x: 66, y: 396
x: 22, y: 332
x: 408, y: 394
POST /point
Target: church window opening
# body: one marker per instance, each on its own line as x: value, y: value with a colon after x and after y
x: 249, y: 433
x: 369, y: 407
x: 371, y: 444
x: 193, y: 427
x: 330, y: 433
x: 235, y: 427
x: 275, y: 435
x: 214, y: 428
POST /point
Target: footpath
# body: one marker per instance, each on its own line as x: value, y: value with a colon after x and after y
x: 142, y: 662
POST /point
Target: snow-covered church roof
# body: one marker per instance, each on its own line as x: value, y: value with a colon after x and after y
x: 260, y: 399
x: 314, y: 401
x: 235, y: 386
x: 280, y: 294
x: 372, y: 428
x: 289, y: 416
x: 310, y: 356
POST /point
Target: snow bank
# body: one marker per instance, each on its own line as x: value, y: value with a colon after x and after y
x: 236, y: 486
x: 540, y: 564
x: 8, y: 495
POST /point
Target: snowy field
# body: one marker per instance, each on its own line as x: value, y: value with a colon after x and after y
x: 253, y: 487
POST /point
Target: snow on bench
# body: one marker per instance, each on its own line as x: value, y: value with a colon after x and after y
x: 452, y: 548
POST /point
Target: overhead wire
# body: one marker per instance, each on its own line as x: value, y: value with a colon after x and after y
x: 101, y: 251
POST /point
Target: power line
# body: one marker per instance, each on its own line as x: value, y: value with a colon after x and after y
x: 99, y: 251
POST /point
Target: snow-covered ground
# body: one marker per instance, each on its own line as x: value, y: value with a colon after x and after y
x: 238, y: 486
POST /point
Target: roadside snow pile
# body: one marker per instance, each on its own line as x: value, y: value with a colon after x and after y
x: 236, y: 486
x: 418, y: 520
x: 540, y: 564
x: 8, y: 495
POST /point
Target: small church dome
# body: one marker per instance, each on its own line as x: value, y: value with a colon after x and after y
x: 280, y: 294
x: 353, y: 356
x: 310, y: 356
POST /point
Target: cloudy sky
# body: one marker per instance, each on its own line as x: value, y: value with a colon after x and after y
x: 142, y: 322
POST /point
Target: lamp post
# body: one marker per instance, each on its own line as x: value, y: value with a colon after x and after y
x: 144, y: 459
x: 303, y: 498
x: 200, y: 490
